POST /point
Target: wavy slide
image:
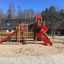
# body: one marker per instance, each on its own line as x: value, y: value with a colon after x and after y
x: 41, y: 33
x: 7, y: 37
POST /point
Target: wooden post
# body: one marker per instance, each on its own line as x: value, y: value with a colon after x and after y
x: 27, y: 32
x: 35, y: 35
x: 18, y: 34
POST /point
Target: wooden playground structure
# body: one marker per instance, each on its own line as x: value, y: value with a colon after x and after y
x: 23, y: 33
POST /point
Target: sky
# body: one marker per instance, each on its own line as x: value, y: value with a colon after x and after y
x: 36, y: 5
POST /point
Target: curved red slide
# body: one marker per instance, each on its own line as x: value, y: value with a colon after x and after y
x: 6, y: 37
x: 41, y: 37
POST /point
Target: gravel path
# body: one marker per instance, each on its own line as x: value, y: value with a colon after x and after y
x: 51, y: 59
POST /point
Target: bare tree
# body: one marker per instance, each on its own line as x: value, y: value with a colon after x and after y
x: 11, y: 11
x: 31, y: 13
x: 2, y: 15
x: 19, y: 16
x: 26, y: 14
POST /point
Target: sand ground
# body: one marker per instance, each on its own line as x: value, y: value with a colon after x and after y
x: 30, y: 50
x: 32, y: 54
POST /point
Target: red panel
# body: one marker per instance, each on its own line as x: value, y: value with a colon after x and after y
x: 38, y: 16
x: 43, y: 29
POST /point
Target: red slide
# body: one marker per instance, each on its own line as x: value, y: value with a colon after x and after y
x: 6, y: 37
x: 41, y: 37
